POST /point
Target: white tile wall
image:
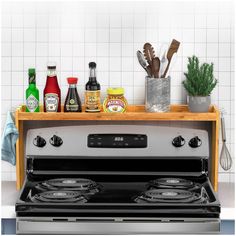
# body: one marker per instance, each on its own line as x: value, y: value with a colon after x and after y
x: 74, y: 33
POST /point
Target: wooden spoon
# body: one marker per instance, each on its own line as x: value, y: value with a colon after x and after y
x: 155, y: 67
x: 174, y: 46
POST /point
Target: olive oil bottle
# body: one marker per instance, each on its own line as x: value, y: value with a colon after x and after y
x: 92, y: 91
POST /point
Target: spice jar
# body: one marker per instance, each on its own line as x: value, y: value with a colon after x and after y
x: 115, y: 101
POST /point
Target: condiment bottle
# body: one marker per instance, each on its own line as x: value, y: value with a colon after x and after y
x: 115, y: 101
x: 52, y: 92
x: 72, y: 102
x: 92, y: 93
x: 32, y: 93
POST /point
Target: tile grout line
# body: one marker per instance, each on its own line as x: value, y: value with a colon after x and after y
x: 11, y: 60
x: 24, y: 95
x: 109, y: 52
x: 133, y: 102
x: 230, y: 95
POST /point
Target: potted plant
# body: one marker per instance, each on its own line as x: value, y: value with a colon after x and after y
x: 199, y: 84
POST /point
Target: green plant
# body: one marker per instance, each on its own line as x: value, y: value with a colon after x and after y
x: 200, y: 80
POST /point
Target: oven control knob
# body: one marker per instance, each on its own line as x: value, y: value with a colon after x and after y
x: 178, y: 141
x: 39, y: 141
x: 195, y: 142
x: 56, y: 141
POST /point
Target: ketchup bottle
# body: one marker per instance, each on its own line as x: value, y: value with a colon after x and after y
x: 52, y: 92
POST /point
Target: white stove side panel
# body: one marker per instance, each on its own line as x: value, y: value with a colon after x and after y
x: 75, y: 141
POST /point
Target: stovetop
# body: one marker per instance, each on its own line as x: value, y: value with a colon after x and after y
x: 86, y: 191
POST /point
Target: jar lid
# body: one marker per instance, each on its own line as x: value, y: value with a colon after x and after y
x: 72, y: 80
x: 115, y: 91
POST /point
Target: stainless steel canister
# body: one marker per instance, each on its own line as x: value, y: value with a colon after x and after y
x: 157, y: 94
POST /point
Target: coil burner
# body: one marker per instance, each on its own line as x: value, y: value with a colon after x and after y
x: 173, y: 183
x: 84, y: 186
x: 58, y: 197
x: 171, y: 196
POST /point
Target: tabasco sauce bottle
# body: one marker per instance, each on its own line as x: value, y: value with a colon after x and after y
x: 92, y: 93
x: 32, y: 93
x: 52, y: 92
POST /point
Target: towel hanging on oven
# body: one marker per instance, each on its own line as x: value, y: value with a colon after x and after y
x: 9, y: 137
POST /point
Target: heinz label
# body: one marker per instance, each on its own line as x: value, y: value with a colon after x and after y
x: 51, y: 102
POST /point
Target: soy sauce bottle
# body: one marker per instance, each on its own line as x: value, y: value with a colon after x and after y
x: 72, y: 102
x: 92, y: 93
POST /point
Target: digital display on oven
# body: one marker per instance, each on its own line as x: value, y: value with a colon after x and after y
x: 117, y: 141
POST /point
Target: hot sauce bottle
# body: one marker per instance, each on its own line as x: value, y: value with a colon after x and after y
x: 92, y: 93
x: 52, y: 92
x: 32, y: 93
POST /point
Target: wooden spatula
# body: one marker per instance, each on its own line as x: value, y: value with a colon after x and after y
x: 174, y: 46
x: 155, y: 67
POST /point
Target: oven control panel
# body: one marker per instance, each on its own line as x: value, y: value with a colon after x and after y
x: 117, y: 141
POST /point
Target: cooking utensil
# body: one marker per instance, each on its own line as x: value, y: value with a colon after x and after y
x: 163, y: 49
x: 172, y: 63
x: 163, y: 64
x: 225, y: 157
x: 155, y: 67
x: 174, y: 46
x: 143, y: 63
x: 149, y: 53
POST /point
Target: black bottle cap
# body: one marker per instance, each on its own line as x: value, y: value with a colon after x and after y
x: 92, y: 65
x: 51, y: 65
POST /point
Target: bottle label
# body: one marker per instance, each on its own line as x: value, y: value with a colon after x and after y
x: 32, y: 103
x: 72, y: 106
x: 32, y: 79
x: 51, y: 102
x: 115, y: 105
x: 92, y: 101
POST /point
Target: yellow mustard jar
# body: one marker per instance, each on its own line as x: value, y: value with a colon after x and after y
x: 115, y: 101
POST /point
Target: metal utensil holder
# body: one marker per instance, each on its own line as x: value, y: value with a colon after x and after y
x: 157, y: 97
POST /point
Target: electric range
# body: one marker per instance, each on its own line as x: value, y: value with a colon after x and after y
x: 117, y: 179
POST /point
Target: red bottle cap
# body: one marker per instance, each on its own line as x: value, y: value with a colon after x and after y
x: 72, y: 80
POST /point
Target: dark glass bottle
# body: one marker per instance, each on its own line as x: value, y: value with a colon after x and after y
x: 92, y: 93
x: 72, y: 102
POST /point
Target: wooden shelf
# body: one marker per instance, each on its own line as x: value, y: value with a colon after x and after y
x: 135, y: 112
